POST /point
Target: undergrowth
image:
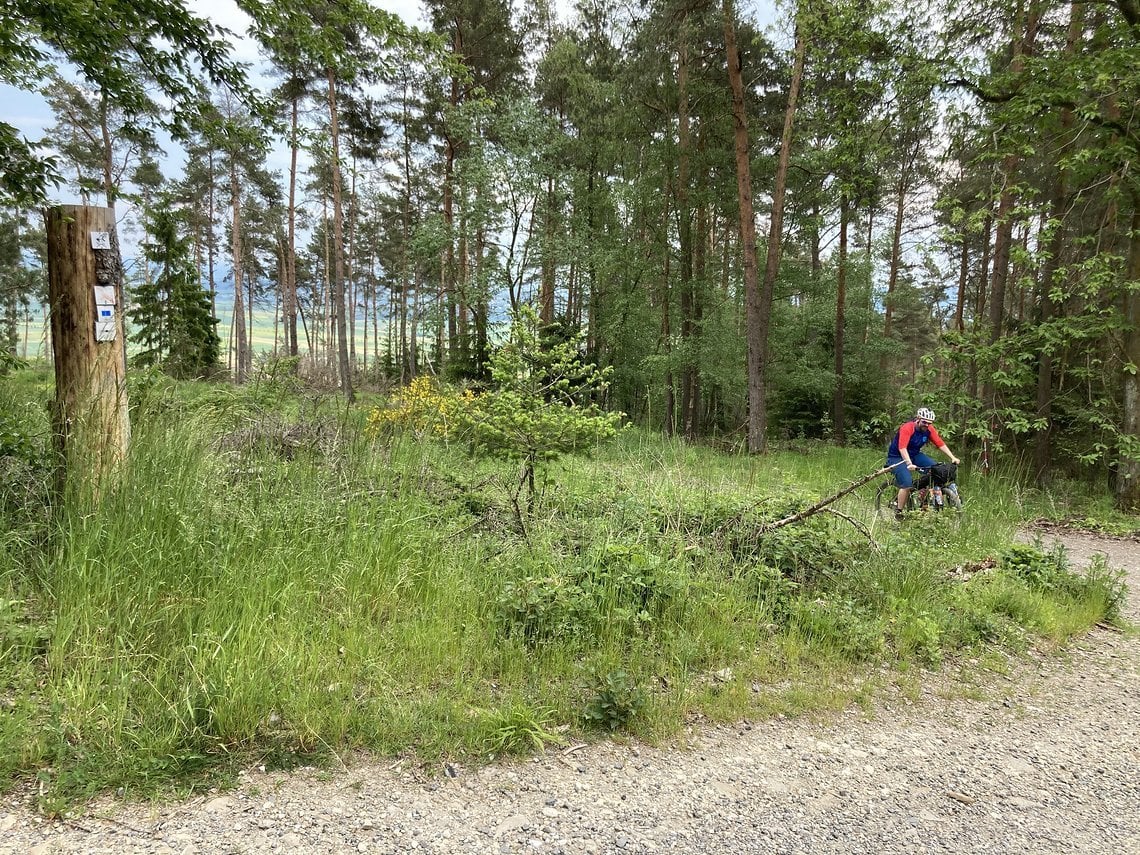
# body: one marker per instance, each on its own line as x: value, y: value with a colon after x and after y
x: 266, y: 584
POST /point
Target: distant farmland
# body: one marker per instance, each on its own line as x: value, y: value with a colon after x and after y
x: 33, y: 336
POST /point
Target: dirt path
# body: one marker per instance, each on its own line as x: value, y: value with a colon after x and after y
x: 1048, y: 761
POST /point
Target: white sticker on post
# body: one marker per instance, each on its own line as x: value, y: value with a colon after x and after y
x: 105, y: 295
x: 100, y: 240
x: 104, y: 323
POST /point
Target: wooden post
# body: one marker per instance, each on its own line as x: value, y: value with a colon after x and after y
x: 90, y: 419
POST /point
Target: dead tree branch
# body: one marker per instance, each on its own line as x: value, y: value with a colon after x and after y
x: 823, y: 503
x: 859, y: 527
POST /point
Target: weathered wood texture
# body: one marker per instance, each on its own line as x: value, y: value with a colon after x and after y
x: 90, y: 418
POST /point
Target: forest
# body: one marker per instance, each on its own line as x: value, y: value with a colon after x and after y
x: 872, y: 205
x: 471, y: 362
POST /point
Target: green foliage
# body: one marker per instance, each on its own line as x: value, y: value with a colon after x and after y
x: 22, y: 636
x: 545, y: 400
x: 773, y: 589
x: 618, y: 591
x: 263, y: 586
x: 807, y: 553
x: 616, y: 701
x: 1049, y: 572
x: 171, y: 313
x: 17, y: 436
x: 916, y: 631
x: 850, y: 629
x: 519, y: 728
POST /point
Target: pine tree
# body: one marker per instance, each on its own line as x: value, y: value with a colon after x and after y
x: 172, y: 315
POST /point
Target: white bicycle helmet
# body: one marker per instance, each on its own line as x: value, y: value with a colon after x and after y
x: 925, y: 413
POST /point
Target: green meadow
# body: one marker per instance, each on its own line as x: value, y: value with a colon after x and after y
x: 270, y: 582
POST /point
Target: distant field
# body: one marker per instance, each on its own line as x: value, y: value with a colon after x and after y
x: 33, y: 334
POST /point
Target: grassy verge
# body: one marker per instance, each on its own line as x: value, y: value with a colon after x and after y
x: 267, y: 583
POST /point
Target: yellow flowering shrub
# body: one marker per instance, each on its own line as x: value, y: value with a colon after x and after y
x: 424, y: 407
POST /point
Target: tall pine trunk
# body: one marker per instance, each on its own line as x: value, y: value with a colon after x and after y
x: 344, y: 367
x: 776, y: 226
x: 1003, y: 239
x: 1060, y: 192
x: 1128, y: 468
x: 839, y: 403
x: 289, y: 291
x: 689, y: 375
x: 242, y: 360
x: 756, y: 331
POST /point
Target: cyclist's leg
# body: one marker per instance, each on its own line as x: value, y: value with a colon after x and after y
x: 903, y: 479
x: 925, y: 462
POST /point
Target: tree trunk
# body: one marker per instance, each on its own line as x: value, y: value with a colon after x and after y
x: 776, y: 230
x: 462, y: 283
x: 839, y: 403
x: 406, y: 362
x: 755, y: 331
x: 212, y: 240
x: 1128, y: 468
x: 290, y: 285
x: 963, y: 280
x: 338, y: 295
x: 1060, y: 191
x: 240, y: 342
x: 546, y: 292
x: 669, y: 419
x: 896, y: 247
x: 1003, y: 240
x: 685, y: 240
x: 352, y: 296
x: 91, y: 424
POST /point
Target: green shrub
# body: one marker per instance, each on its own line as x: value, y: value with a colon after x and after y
x: 1040, y: 570
x: 839, y: 625
x: 616, y: 701
x: 807, y: 552
x: 23, y: 428
x: 620, y: 591
x: 1050, y: 573
x: 1106, y: 586
x: 916, y: 632
x: 544, y: 608
x: 771, y: 589
x: 519, y: 728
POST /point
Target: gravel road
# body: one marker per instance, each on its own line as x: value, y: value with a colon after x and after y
x: 1047, y: 761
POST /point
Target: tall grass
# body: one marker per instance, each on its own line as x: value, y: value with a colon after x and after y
x: 237, y: 596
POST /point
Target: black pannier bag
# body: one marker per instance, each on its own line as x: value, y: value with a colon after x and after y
x: 940, y: 475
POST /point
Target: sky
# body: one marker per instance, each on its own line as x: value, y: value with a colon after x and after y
x: 29, y: 113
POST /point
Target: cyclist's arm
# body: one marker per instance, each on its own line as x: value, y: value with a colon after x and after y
x: 941, y: 445
x: 905, y: 433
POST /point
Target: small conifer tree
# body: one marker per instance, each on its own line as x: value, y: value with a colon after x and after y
x: 173, y: 319
x: 545, y: 401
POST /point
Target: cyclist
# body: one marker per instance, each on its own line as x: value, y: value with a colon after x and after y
x: 905, y: 452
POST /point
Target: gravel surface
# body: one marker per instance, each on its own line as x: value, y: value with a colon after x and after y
x: 1045, y: 760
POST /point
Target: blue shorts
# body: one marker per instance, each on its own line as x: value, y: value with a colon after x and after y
x: 903, y: 476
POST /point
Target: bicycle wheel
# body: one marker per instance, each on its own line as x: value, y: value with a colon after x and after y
x: 951, y: 497
x: 886, y: 499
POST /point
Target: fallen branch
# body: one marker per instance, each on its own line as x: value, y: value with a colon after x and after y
x: 823, y: 503
x: 862, y: 529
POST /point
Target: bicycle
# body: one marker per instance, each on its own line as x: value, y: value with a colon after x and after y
x: 934, y: 489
